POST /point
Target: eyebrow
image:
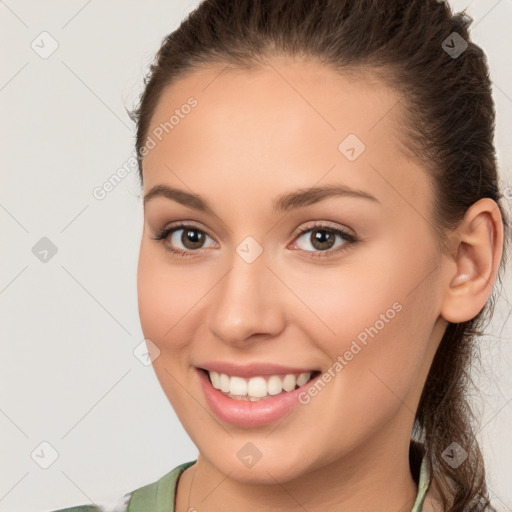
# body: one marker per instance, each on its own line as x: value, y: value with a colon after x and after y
x: 283, y: 203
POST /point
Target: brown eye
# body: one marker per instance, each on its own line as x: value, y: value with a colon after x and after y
x: 185, y: 243
x: 192, y: 238
x: 322, y: 239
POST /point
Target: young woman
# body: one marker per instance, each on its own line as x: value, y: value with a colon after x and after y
x: 322, y: 236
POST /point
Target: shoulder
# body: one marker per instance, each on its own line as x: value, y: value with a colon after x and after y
x: 143, y: 499
x: 120, y: 505
x: 80, y: 508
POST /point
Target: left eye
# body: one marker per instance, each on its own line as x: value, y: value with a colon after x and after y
x: 323, y: 238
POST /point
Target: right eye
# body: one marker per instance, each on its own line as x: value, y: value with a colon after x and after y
x: 190, y: 236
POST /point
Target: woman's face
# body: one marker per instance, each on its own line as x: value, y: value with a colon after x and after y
x: 360, y: 305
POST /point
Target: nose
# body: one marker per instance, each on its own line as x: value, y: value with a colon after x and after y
x: 245, y: 303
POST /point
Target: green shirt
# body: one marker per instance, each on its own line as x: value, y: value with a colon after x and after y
x: 159, y: 496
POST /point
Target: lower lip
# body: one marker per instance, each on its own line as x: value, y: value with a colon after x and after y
x: 249, y: 414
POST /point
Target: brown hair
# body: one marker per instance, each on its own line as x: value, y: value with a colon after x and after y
x: 449, y: 127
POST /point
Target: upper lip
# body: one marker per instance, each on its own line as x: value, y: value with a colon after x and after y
x: 251, y: 369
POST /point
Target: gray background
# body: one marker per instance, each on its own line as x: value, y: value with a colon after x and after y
x: 69, y: 376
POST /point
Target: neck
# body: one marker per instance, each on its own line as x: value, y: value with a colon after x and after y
x: 375, y: 476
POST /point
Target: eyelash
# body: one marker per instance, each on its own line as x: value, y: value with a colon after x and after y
x: 350, y: 239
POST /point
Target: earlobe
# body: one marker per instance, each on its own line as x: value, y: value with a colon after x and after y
x: 477, y: 255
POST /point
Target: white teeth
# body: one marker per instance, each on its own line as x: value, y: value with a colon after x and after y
x: 302, y: 379
x: 224, y: 383
x: 289, y: 382
x: 274, y: 385
x: 238, y: 386
x: 215, y: 378
x: 256, y: 388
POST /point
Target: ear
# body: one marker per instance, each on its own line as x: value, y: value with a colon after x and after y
x: 476, y: 250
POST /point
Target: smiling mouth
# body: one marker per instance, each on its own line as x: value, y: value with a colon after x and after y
x: 262, y: 387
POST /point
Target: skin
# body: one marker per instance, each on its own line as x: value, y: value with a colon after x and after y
x: 254, y: 135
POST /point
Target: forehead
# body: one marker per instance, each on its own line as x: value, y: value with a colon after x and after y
x: 287, y: 121
x: 282, y: 97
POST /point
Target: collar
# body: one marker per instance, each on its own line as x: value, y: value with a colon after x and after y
x: 160, y: 496
x: 423, y: 485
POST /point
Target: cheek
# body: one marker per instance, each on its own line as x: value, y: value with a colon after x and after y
x: 373, y: 322
x: 381, y: 292
x: 384, y: 377
x: 152, y: 300
x: 160, y: 297
x: 338, y: 305
x: 171, y: 298
x: 162, y: 312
